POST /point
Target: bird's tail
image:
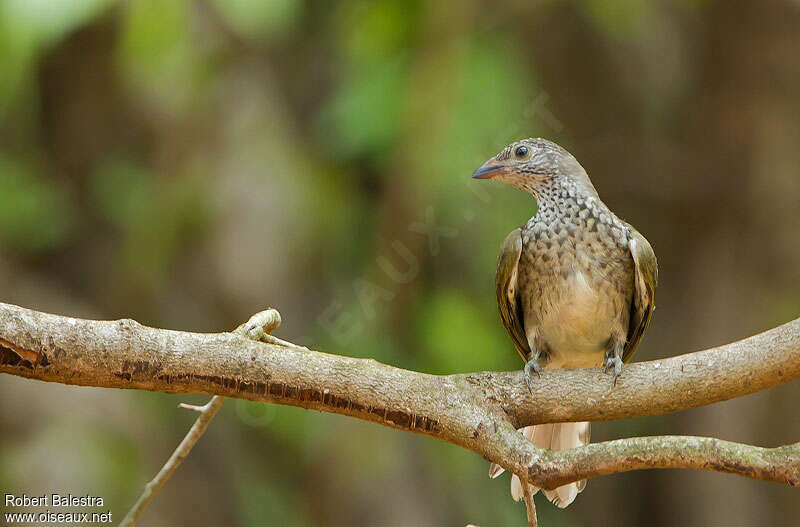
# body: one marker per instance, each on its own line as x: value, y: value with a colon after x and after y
x: 558, y: 436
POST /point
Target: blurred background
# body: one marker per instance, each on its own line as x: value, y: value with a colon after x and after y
x: 187, y: 163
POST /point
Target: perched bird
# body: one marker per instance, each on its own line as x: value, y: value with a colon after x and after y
x: 575, y: 284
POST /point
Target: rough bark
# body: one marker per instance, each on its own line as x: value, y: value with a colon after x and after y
x: 478, y: 411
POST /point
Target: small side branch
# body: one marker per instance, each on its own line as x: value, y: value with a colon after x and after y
x: 530, y: 506
x: 556, y: 468
x: 207, y: 413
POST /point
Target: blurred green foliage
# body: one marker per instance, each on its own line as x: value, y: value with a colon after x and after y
x: 30, y: 27
x: 33, y: 216
x: 259, y: 19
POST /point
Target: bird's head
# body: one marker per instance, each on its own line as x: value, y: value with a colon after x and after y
x: 532, y: 164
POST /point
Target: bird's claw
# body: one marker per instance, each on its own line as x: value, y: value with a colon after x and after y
x: 531, y: 367
x: 615, y: 363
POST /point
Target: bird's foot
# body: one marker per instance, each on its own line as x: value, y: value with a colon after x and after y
x: 613, y: 361
x: 531, y: 367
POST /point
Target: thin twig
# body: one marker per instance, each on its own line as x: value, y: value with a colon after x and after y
x: 192, y: 407
x: 195, y: 432
x: 530, y: 506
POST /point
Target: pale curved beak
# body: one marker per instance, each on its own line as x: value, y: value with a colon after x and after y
x: 489, y: 170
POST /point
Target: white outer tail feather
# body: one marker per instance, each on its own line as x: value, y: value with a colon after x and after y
x: 559, y: 436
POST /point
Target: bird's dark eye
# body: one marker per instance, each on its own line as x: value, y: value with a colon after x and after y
x: 521, y: 151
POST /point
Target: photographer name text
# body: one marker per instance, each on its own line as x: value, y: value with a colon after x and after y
x: 53, y: 500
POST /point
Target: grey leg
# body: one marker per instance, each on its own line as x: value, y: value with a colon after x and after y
x: 532, y: 367
x: 613, y: 358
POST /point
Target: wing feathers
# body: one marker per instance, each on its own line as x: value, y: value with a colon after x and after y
x: 645, y: 282
x: 507, y: 294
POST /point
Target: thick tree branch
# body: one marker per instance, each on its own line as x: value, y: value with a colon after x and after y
x: 478, y: 411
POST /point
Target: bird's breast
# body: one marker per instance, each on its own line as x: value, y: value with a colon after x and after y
x: 574, y: 296
x: 575, y: 321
